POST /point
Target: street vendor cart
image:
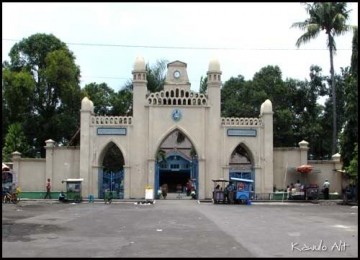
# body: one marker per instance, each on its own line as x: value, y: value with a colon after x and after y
x: 218, y: 193
x: 312, y: 192
x: 244, y: 189
x: 73, y: 189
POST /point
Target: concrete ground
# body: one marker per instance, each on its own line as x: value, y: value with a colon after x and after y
x: 179, y: 228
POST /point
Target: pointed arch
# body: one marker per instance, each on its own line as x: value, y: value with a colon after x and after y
x: 246, y: 149
x: 104, y: 149
x: 168, y: 133
x: 241, y: 162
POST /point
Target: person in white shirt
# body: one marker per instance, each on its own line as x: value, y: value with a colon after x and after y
x: 326, y: 187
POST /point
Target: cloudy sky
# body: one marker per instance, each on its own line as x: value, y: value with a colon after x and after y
x: 106, y: 38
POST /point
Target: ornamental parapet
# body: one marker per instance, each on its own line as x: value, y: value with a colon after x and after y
x: 178, y: 97
x: 111, y: 120
x: 241, y: 121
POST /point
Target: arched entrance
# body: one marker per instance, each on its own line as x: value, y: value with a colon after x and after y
x: 241, y: 164
x: 111, y: 177
x: 176, y: 163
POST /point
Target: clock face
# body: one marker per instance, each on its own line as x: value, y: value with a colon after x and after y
x: 176, y: 74
x: 176, y: 115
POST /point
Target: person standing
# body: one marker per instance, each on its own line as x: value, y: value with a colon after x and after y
x: 164, y: 190
x: 326, y: 187
x: 230, y: 193
x: 288, y: 191
x: 110, y: 197
x: 189, y: 186
x: 179, y: 190
x: 48, y: 188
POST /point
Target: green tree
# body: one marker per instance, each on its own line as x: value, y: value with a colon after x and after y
x: 309, y: 114
x: 107, y: 102
x: 17, y: 101
x: 4, y: 116
x: 122, y: 103
x: 15, y: 140
x: 43, y: 69
x: 331, y: 17
x: 101, y: 95
x: 326, y: 119
x: 349, y: 136
x: 237, y: 99
x: 268, y: 84
x: 353, y: 168
x: 297, y: 114
x: 203, y: 85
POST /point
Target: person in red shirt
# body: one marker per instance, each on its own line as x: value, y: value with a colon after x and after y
x: 48, y: 188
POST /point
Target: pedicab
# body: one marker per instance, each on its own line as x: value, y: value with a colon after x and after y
x: 218, y: 193
x: 243, y: 190
x: 73, y: 190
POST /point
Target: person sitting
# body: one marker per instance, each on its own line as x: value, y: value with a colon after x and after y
x: 298, y: 186
x: 62, y: 196
x: 193, y: 194
x: 241, y: 186
x: 159, y: 193
x: 91, y: 198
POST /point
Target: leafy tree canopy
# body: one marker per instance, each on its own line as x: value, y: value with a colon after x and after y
x: 41, y: 89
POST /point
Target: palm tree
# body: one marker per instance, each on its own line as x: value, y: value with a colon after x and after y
x: 331, y: 17
x: 156, y: 75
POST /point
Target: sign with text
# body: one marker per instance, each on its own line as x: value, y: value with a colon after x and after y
x: 241, y: 132
x: 111, y: 131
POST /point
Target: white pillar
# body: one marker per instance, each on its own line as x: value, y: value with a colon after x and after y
x: 213, y: 125
x: 87, y: 110
x: 267, y: 164
x: 16, y: 156
x: 304, y: 148
x: 139, y: 133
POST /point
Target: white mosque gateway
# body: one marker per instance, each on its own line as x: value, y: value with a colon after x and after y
x: 210, y: 147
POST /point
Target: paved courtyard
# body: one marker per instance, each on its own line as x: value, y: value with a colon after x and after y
x: 179, y: 228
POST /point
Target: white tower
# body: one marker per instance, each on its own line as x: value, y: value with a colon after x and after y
x: 213, y: 160
x: 140, y: 130
x: 87, y: 110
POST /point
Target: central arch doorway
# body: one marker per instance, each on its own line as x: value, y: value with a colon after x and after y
x: 177, y: 166
x: 111, y: 177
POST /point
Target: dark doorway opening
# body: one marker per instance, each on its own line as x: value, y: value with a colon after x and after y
x: 172, y: 179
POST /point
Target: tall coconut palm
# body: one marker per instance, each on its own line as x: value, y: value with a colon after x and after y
x: 331, y: 17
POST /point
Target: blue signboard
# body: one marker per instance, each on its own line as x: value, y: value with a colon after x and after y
x: 111, y: 131
x: 241, y: 132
